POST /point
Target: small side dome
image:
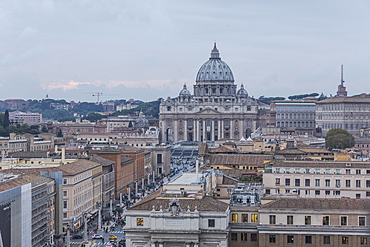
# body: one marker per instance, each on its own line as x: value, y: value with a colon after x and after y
x: 184, y: 91
x: 242, y: 91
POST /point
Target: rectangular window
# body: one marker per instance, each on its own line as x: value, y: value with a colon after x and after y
x: 317, y: 171
x: 289, y: 219
x: 139, y: 221
x: 211, y: 223
x: 317, y: 182
x: 272, y: 219
x: 348, y: 171
x: 159, y: 159
x: 287, y: 182
x: 272, y: 238
x: 64, y: 215
x: 317, y: 192
x: 337, y: 171
x: 307, y: 220
x: 244, y: 217
x: 327, y: 182
x: 363, y: 240
x: 308, y: 239
x: 361, y: 221
x: 65, y: 181
x: 358, y: 196
x: 348, y: 183
x: 65, y: 193
x: 367, y: 183
x: 297, y: 182
x: 277, y: 181
x: 343, y: 220
x: 325, y: 220
x: 65, y: 204
x: 254, y: 218
x: 268, y: 191
x: 253, y: 237
x: 337, y: 183
x: 234, y: 218
x: 345, y: 239
x: 244, y: 236
x: 326, y: 239
x: 307, y: 182
x: 327, y: 171
x: 290, y: 239
x: 358, y: 171
x: 234, y: 236
x: 327, y: 192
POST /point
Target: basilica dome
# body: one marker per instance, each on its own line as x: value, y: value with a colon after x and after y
x: 242, y: 91
x: 184, y: 91
x: 215, y: 70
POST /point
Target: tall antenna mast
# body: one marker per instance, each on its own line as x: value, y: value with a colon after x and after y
x: 341, y: 76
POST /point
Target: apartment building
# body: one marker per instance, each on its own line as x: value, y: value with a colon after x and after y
x: 298, y: 116
x: 124, y: 169
x: 318, y: 179
x: 349, y: 113
x: 29, y: 118
x: 314, y: 222
x: 27, y: 214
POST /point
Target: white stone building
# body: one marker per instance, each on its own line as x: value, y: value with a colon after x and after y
x: 216, y: 110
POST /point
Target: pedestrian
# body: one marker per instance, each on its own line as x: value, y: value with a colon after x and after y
x: 102, y: 239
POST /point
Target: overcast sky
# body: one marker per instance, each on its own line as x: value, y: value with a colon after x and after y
x: 71, y: 49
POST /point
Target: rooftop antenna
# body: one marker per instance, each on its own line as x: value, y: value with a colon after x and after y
x: 341, y: 75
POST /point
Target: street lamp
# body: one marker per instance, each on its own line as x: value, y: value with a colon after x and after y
x: 85, y: 226
x: 98, y: 205
x: 120, y: 198
x: 111, y: 209
x: 68, y: 237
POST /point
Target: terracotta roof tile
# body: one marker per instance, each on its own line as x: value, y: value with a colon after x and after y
x: 319, y: 204
x: 239, y: 159
x: 205, y: 204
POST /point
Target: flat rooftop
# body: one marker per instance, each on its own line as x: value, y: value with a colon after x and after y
x: 186, y: 178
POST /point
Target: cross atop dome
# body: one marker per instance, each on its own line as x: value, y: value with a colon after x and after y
x: 214, y: 53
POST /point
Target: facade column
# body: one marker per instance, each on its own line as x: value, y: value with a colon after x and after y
x: 204, y: 130
x: 198, y: 130
x: 195, y: 130
x: 241, y: 130
x: 231, y: 129
x: 175, y: 130
x: 213, y: 130
x: 222, y: 129
x: 219, y: 129
x: 185, y: 130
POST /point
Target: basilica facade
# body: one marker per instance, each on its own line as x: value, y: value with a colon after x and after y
x: 216, y: 110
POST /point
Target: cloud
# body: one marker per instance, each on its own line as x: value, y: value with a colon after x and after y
x: 70, y: 85
x: 148, y: 84
x: 27, y: 33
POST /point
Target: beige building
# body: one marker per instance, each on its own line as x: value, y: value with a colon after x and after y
x: 181, y: 214
x: 349, y: 113
x: 318, y: 179
x: 216, y: 110
x: 314, y: 222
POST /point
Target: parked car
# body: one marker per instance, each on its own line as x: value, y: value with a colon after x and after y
x: 97, y: 236
x: 77, y: 236
x: 111, y: 237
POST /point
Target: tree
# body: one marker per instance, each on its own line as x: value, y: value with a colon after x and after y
x: 6, y: 121
x: 339, y: 139
x: 60, y: 133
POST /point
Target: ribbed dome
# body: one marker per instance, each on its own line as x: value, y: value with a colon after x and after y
x: 215, y: 70
x: 184, y: 91
x: 242, y: 91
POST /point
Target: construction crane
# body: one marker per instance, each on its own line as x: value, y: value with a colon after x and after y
x: 98, y: 95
